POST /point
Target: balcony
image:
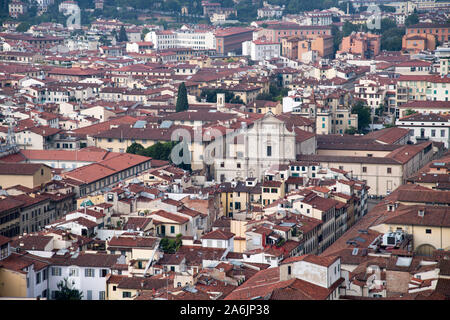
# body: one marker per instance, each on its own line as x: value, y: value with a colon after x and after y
x: 420, y: 139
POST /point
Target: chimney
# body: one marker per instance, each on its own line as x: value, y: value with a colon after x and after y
x: 421, y: 213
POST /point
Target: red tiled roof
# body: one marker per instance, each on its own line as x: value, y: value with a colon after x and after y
x: 104, y: 126
x: 68, y: 155
x: 426, y: 104
x: 20, y: 168
x: 131, y: 242
x: 169, y: 215
x: 219, y: 235
x: 319, y: 260
x: 414, y: 63
x: 259, y: 285
x: 135, y: 223
x: 4, y: 240
x: 32, y: 242
x: 102, y: 169
x: 388, y: 135
x: 429, y: 78
x: 18, y: 262
x: 10, y: 203
x: 304, y: 290
x: 44, y: 131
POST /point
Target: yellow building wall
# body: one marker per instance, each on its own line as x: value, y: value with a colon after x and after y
x: 238, y: 227
x: 239, y: 245
x: 225, y: 200
x: 438, y: 238
x: 115, y: 145
x: 242, y: 198
x: 29, y: 181
x: 376, y: 175
x: 95, y: 200
x: 42, y: 178
x: 118, y: 294
x: 141, y: 254
x: 12, y: 284
x: 271, y: 197
x: 278, y: 109
x: 353, y: 153
x: 426, y: 185
x: 178, y: 229
x: 321, y: 120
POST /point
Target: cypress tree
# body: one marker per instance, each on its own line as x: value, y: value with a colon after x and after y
x: 182, y: 100
x: 122, y: 35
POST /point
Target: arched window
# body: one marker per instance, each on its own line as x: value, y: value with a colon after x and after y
x: 425, y: 250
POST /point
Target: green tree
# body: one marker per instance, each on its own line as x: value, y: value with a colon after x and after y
x: 348, y: 28
x: 264, y: 96
x: 343, y: 6
x: 135, y: 148
x: 386, y: 8
x: 66, y: 291
x: 164, y: 24
x: 379, y: 110
x: 391, y: 39
x: 182, y: 100
x: 280, y: 242
x: 104, y: 41
x: 23, y: 27
x: 4, y: 10
x: 363, y: 113
x: 351, y: 130
x: 337, y: 37
x: 412, y: 19
x: 409, y: 112
x: 122, y: 37
x: 171, y: 245
x: 144, y: 33
x: 247, y: 11
x: 159, y: 151
x: 386, y: 24
x: 237, y: 100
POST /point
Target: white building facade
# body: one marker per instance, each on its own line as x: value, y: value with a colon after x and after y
x: 85, y: 272
x: 182, y: 38
x: 434, y: 127
x: 261, y: 50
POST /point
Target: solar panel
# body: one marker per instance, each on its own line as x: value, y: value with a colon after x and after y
x: 166, y: 124
x: 140, y: 124
x: 287, y: 224
x: 403, y: 262
x: 359, y: 239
